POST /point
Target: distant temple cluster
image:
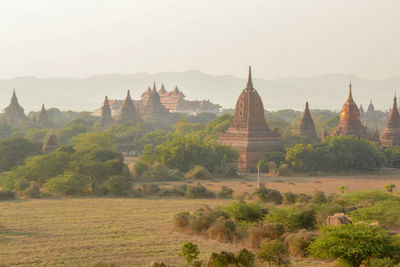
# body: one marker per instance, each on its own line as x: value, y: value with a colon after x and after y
x: 172, y: 101
x: 250, y: 135
x: 249, y: 132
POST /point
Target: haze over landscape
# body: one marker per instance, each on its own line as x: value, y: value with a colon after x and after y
x: 105, y: 44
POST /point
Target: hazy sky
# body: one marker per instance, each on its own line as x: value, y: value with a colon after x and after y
x: 278, y: 38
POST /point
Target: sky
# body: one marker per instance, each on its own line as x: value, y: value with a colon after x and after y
x: 301, y: 38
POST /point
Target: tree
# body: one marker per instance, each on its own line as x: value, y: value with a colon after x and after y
x: 390, y: 187
x: 274, y: 252
x: 354, y: 243
x: 14, y: 151
x: 190, y: 252
x: 64, y: 135
x: 342, y: 189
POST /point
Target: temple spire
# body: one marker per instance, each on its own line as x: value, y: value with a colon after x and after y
x: 154, y: 87
x: 249, y: 80
x: 350, y: 93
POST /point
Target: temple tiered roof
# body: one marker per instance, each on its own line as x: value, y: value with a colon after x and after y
x: 106, y: 119
x: 128, y: 112
x: 306, y: 126
x: 391, y: 135
x: 14, y: 113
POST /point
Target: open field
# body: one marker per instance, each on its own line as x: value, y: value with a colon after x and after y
x: 77, y: 232
x: 134, y: 232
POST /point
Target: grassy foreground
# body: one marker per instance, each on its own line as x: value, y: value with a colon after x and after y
x: 77, y: 232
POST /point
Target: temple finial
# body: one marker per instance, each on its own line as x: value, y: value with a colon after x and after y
x: 249, y: 80
x: 350, y: 93
x: 307, y: 105
x: 154, y: 86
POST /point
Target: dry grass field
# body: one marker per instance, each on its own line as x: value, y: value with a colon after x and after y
x: 134, y: 232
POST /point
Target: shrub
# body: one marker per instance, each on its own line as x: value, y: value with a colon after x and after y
x: 303, y: 198
x: 292, y: 218
x: 199, y: 173
x: 221, y: 259
x: 298, y: 243
x: 190, y: 252
x: 227, y: 170
x: 386, y: 212
x: 354, y: 198
x: 21, y: 184
x: 245, y: 258
x: 33, y: 191
x: 289, y: 198
x: 272, y: 168
x: 385, y: 262
x: 67, y: 184
x: 274, y: 252
x: 223, y: 230
x: 198, y: 191
x: 241, y: 211
x: 260, y: 233
x: 354, y: 243
x: 318, y: 197
x: 150, y: 189
x: 119, y: 185
x: 177, y: 191
x: 7, y: 195
x: 159, y: 171
x: 283, y: 170
x: 140, y: 168
x: 225, y: 193
x: 102, y: 264
x: 322, y: 211
x: 268, y: 195
x: 181, y: 220
x: 202, y: 219
x: 158, y: 264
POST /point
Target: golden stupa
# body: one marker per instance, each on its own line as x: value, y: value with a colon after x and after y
x: 350, y: 111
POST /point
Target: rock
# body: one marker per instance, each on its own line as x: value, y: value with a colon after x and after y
x: 338, y: 219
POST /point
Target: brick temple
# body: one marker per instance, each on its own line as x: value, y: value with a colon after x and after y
x: 391, y: 135
x: 249, y: 132
x: 306, y: 127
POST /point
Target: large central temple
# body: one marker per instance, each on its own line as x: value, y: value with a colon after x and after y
x: 249, y: 132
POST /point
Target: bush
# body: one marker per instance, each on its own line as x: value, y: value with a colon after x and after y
x: 7, y: 195
x: 260, y: 233
x: 221, y: 259
x: 298, y: 243
x: 225, y: 193
x: 198, y: 191
x: 177, y: 191
x: 67, y: 184
x: 274, y: 252
x: 119, y: 185
x: 283, y: 170
x: 181, y: 220
x: 140, y: 168
x: 158, y: 170
x: 245, y: 258
x: 223, y: 230
x: 292, y: 217
x: 21, y: 184
x: 33, y: 191
x: 303, y: 198
x: 241, y: 211
x: 354, y: 243
x: 386, y: 212
x: 354, y: 198
x: 322, y: 211
x: 199, y: 173
x: 318, y: 197
x: 150, y: 189
x: 289, y: 198
x: 268, y: 195
x: 190, y: 252
x: 202, y: 219
x: 385, y: 262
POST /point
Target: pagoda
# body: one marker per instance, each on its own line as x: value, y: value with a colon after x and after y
x: 306, y: 126
x: 249, y: 133
x: 153, y: 107
x: 162, y: 90
x: 44, y: 120
x: 51, y: 143
x: 391, y: 135
x: 14, y: 113
x: 128, y: 112
x: 106, y: 119
x: 361, y: 111
x: 350, y: 123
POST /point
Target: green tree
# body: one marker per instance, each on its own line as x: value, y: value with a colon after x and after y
x: 14, y: 151
x: 354, y: 243
x: 190, y: 252
x: 274, y: 252
x: 390, y: 187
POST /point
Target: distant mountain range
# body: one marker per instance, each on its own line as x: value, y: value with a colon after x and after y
x: 323, y: 92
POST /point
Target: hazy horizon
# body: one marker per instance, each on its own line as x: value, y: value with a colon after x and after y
x: 278, y: 38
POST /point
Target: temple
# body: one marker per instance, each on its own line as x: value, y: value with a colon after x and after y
x: 153, y: 107
x: 106, y: 119
x: 350, y: 123
x: 249, y: 132
x: 391, y: 135
x: 306, y: 126
x: 14, y: 113
x: 51, y: 143
x: 44, y: 120
x: 128, y: 113
x: 361, y: 111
